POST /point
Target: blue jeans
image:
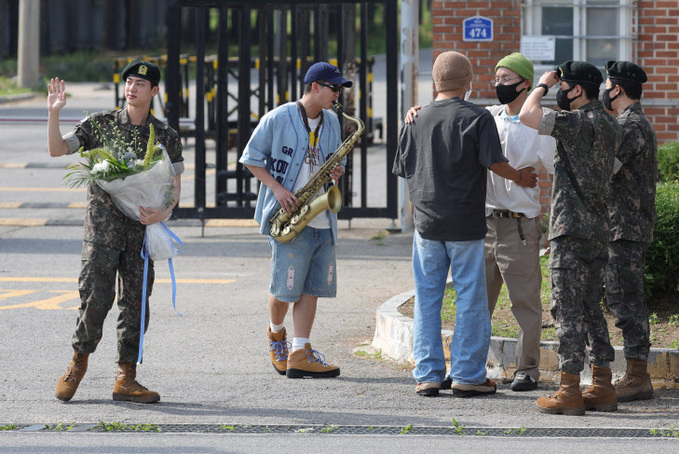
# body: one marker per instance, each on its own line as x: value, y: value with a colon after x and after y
x: 471, y: 338
x: 305, y: 265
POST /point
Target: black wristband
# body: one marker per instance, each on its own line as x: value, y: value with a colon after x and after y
x: 544, y: 87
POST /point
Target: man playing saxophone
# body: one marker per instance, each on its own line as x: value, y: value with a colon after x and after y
x: 286, y: 149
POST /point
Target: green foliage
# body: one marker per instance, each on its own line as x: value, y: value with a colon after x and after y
x: 122, y: 427
x: 60, y: 427
x: 662, y: 266
x: 668, y: 162
x: 671, y: 432
x: 116, y: 159
x: 406, y: 429
x: 458, y: 428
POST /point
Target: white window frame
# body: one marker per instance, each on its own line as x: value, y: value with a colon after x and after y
x: 532, y: 25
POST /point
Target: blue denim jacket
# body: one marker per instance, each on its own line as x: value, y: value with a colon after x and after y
x: 279, y: 143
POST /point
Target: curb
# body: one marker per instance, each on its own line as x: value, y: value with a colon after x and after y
x: 17, y: 97
x: 394, y: 338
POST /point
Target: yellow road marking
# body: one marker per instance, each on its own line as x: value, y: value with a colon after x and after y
x: 77, y: 205
x: 231, y: 223
x: 50, y: 303
x: 23, y: 222
x: 75, y: 280
x: 13, y: 165
x: 14, y: 293
x: 208, y: 173
x: 34, y: 189
x: 9, y: 205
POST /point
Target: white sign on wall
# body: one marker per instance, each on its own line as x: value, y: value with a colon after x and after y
x: 536, y: 48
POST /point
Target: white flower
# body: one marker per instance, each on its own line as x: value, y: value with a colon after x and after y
x: 101, y: 167
x: 139, y: 162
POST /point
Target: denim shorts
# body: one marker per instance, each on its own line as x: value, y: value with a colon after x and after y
x: 305, y: 265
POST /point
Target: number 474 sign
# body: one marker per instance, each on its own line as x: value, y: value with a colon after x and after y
x: 478, y: 29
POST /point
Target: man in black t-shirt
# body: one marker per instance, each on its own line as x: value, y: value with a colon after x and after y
x: 444, y: 156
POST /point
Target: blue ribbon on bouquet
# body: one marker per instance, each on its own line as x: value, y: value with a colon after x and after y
x: 145, y: 255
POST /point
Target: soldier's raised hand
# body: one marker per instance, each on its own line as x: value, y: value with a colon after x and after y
x: 56, y: 94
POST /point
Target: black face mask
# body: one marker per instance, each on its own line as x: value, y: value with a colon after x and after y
x: 608, y: 101
x: 507, y: 93
x: 562, y: 99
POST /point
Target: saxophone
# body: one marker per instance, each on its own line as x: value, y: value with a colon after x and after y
x: 284, y: 226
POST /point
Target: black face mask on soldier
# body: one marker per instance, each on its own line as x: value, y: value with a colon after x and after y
x: 562, y: 99
x: 608, y: 101
x: 507, y: 93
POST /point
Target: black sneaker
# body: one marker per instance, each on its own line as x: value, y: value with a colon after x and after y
x: 447, y: 383
x: 523, y: 382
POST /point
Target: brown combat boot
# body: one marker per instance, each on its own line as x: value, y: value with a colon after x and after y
x: 278, y: 349
x: 601, y: 395
x: 636, y: 384
x: 567, y: 400
x: 309, y: 363
x: 68, y: 383
x: 127, y: 388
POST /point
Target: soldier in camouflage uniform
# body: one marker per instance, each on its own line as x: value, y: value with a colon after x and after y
x: 587, y: 139
x: 112, y: 241
x: 632, y: 218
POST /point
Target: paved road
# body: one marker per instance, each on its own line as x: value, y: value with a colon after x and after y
x: 211, y: 366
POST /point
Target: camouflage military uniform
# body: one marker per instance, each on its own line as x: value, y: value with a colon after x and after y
x: 632, y: 216
x: 587, y: 139
x: 112, y: 242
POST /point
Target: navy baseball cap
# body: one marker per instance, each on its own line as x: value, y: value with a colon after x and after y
x: 327, y: 72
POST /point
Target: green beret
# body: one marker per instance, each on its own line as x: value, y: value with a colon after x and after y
x: 143, y: 69
x: 625, y: 70
x: 580, y: 72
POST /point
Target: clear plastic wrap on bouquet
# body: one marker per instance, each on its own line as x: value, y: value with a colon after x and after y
x: 151, y: 188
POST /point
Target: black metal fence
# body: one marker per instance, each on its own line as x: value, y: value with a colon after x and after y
x: 272, y: 45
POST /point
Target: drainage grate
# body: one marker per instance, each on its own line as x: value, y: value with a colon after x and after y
x: 348, y: 430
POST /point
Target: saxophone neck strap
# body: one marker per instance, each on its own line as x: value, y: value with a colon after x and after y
x: 313, y: 138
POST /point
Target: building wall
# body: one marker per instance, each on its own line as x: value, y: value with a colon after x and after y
x: 656, y: 49
x: 658, y: 53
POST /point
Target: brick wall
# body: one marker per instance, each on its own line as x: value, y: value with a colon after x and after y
x: 656, y: 49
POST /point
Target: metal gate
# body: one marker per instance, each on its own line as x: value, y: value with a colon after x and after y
x: 275, y: 44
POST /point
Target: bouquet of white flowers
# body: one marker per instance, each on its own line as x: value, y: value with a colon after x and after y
x: 132, y: 183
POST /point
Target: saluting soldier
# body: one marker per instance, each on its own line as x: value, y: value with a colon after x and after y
x: 632, y: 217
x: 587, y: 139
x: 112, y: 241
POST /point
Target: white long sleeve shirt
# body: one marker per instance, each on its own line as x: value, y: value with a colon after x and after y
x: 523, y: 147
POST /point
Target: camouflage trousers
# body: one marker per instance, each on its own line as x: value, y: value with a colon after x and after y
x: 102, y: 268
x: 577, y: 276
x: 625, y: 295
